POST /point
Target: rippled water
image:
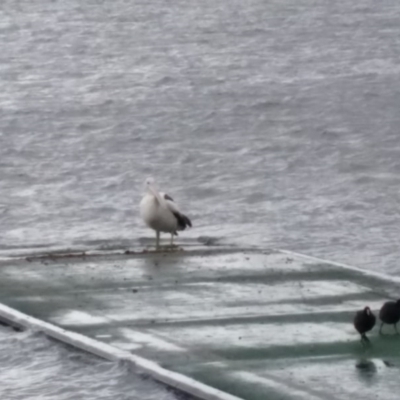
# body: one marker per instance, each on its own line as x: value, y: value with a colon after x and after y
x: 273, y: 123
x: 32, y: 367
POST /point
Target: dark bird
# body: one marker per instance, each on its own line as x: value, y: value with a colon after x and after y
x: 364, y: 321
x: 390, y: 314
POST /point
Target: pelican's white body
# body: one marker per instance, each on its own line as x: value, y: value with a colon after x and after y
x: 157, y: 214
x: 160, y: 213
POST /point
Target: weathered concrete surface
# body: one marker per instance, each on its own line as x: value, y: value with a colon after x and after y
x: 259, y: 325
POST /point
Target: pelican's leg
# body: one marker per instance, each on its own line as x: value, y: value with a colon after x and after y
x: 395, y: 328
x: 172, y: 239
x: 380, y: 330
x: 157, y: 240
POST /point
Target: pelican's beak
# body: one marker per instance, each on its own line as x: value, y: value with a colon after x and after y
x: 154, y: 192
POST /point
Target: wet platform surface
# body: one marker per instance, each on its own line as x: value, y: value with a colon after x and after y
x: 256, y: 324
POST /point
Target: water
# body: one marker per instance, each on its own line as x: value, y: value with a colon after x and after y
x: 25, y: 373
x: 272, y: 123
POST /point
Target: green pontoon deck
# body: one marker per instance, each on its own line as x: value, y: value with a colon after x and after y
x: 217, y: 322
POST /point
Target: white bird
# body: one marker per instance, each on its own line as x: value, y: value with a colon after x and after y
x: 160, y: 212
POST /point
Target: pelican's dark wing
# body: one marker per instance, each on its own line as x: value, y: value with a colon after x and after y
x: 168, y: 197
x: 183, y: 220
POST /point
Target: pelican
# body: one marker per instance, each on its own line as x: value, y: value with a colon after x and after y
x: 160, y: 212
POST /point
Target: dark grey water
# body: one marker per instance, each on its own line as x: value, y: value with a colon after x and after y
x: 273, y: 123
